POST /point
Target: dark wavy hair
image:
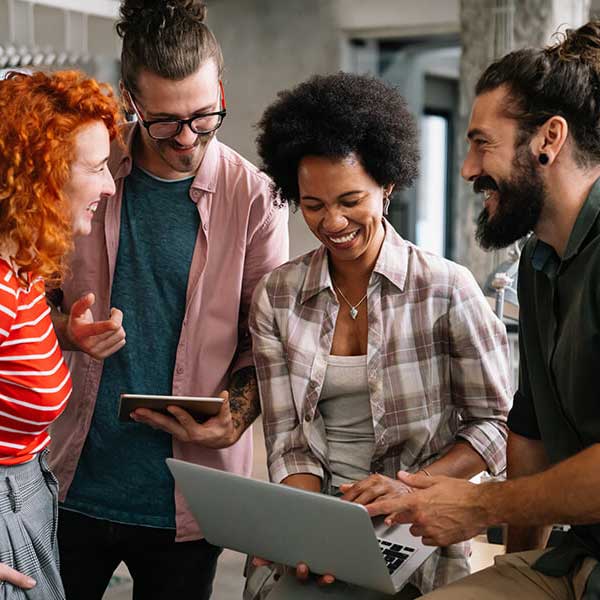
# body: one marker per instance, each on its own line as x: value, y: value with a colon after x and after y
x: 562, y: 79
x: 335, y: 116
x: 168, y: 38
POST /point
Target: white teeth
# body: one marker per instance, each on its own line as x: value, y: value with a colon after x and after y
x: 92, y: 208
x: 344, y: 239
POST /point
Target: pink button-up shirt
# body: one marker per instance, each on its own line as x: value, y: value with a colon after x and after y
x: 243, y: 235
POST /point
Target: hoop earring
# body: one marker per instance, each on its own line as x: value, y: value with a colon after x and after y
x: 543, y: 158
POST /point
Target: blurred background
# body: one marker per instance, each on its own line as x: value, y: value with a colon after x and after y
x: 432, y: 50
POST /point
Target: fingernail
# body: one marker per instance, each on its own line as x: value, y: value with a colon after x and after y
x: 31, y: 582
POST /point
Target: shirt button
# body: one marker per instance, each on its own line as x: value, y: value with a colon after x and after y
x: 307, y: 418
x: 205, y: 226
x: 179, y: 370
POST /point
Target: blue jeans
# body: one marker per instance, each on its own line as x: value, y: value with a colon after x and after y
x: 91, y: 549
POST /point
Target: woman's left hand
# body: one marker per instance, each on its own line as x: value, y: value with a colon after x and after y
x: 374, y: 487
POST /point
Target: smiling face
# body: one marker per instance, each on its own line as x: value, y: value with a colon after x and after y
x: 505, y: 171
x: 343, y: 207
x: 90, y: 180
x: 160, y: 98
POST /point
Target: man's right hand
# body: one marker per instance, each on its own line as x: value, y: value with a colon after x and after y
x: 99, y: 339
x: 17, y: 579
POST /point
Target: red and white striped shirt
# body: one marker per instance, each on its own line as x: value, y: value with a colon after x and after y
x: 35, y: 383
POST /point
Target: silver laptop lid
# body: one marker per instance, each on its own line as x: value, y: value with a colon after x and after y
x: 284, y: 524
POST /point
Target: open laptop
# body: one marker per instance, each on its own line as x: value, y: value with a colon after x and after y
x: 287, y: 525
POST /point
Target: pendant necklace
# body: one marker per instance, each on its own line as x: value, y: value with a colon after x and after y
x: 353, y: 308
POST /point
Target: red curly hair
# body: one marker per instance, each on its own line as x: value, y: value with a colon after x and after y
x: 40, y: 115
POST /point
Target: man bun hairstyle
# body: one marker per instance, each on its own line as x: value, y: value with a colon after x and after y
x: 334, y: 116
x: 562, y: 79
x: 168, y: 38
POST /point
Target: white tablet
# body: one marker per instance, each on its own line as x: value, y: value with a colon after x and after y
x: 199, y: 407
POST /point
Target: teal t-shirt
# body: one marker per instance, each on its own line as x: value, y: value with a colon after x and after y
x: 121, y: 475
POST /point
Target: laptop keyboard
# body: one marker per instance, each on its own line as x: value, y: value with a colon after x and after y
x: 394, y: 554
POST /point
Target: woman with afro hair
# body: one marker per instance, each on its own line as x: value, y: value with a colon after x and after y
x: 373, y: 356
x: 55, y: 133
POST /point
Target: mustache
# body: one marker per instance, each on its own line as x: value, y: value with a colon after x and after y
x: 179, y: 146
x: 200, y: 139
x: 484, y: 183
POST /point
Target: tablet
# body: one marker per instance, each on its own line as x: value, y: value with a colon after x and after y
x: 200, y: 408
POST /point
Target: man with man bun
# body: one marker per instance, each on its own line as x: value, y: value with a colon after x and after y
x: 534, y: 154
x: 178, y: 250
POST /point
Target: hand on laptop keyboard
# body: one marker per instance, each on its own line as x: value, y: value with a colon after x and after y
x: 374, y: 487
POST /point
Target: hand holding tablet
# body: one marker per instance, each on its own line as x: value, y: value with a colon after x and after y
x: 201, y: 408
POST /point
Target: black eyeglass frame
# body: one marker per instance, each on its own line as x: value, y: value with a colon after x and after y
x: 182, y: 122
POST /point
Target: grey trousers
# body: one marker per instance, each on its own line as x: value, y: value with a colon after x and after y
x: 28, y: 522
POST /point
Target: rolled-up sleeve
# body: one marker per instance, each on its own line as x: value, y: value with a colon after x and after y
x: 480, y: 371
x: 268, y: 247
x: 288, y: 452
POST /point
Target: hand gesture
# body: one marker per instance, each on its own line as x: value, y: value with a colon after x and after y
x: 442, y: 510
x: 99, y: 339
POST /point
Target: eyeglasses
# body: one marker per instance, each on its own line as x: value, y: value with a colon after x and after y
x: 163, y: 129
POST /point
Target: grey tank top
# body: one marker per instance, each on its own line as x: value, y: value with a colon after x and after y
x: 346, y: 411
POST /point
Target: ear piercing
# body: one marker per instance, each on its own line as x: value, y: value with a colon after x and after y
x: 543, y: 158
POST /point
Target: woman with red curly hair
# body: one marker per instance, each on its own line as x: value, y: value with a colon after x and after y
x: 55, y: 133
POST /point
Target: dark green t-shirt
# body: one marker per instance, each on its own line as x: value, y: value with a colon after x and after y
x: 559, y: 336
x: 122, y: 475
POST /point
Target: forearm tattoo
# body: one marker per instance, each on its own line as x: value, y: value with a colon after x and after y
x: 243, y: 398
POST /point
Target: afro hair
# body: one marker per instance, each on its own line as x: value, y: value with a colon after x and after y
x: 335, y: 116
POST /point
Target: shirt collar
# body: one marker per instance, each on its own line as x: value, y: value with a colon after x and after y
x: 543, y: 256
x: 585, y: 221
x: 392, y: 263
x: 317, y: 275
x: 208, y: 172
x: 120, y: 162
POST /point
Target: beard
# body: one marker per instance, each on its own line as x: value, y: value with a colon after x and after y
x: 184, y: 163
x: 519, y: 206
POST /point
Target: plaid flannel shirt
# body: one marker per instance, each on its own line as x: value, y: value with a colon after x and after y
x: 437, y: 367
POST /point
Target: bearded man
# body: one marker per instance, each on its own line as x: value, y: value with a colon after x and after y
x: 534, y: 153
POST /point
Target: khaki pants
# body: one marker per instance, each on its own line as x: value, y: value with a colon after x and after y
x: 512, y: 578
